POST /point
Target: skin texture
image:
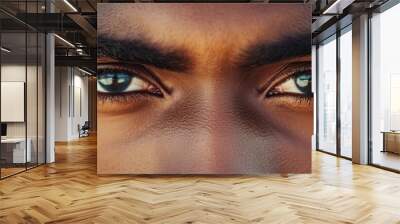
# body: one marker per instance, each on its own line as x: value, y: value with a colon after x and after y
x: 213, y: 116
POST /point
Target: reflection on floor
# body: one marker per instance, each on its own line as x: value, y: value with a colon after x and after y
x: 10, y: 169
x: 69, y: 191
x: 387, y: 159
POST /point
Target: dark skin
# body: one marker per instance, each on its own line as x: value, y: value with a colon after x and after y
x: 204, y: 89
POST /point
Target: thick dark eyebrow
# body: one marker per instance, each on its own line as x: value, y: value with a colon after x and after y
x: 144, y: 52
x: 265, y: 53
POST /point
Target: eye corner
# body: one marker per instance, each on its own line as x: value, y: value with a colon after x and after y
x: 294, y: 82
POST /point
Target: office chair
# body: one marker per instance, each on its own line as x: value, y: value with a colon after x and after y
x: 84, y: 130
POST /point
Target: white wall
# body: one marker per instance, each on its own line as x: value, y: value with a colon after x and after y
x: 62, y: 81
x: 80, y: 110
x: 71, y: 102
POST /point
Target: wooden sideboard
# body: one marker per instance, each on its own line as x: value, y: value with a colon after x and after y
x: 391, y: 141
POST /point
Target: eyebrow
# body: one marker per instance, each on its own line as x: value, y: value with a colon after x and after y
x: 265, y: 53
x: 144, y: 52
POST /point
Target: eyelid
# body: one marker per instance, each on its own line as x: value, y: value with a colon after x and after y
x: 284, y: 73
x: 138, y: 70
x: 297, y: 103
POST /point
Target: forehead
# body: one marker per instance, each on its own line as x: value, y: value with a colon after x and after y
x: 217, y: 22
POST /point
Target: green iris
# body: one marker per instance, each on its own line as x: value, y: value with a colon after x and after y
x: 114, y: 82
x: 303, y: 82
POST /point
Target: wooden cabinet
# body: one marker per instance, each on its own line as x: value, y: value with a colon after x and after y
x: 391, y: 141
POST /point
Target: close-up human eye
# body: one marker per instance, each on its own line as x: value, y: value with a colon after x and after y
x: 125, y: 87
x: 299, y: 83
x: 114, y: 82
x: 291, y: 88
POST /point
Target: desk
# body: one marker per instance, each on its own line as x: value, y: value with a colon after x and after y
x: 17, y: 151
x: 391, y: 141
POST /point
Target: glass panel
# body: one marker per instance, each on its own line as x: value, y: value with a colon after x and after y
x: 385, y: 92
x: 22, y: 88
x: 32, y: 87
x: 31, y: 100
x: 327, y: 96
x: 41, y: 98
x: 346, y: 93
x: 13, y: 87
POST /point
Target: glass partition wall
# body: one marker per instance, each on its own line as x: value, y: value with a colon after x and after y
x: 334, y: 93
x: 22, y: 99
x: 326, y: 99
x: 13, y: 90
x: 385, y: 89
x: 345, y: 92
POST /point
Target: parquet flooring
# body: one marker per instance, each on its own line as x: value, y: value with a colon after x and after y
x: 69, y: 191
x: 10, y: 171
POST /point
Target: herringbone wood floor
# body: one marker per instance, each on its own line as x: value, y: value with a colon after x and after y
x: 69, y: 191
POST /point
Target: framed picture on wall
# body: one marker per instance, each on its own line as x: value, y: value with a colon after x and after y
x: 12, y: 101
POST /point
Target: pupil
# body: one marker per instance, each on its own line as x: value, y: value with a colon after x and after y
x: 303, y: 82
x: 114, y: 82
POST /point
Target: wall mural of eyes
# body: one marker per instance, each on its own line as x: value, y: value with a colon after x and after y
x: 122, y: 81
x: 217, y: 95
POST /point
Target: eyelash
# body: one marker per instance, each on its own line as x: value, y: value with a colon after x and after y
x: 297, y: 102
x: 124, y: 98
x: 286, y: 73
x: 135, y: 71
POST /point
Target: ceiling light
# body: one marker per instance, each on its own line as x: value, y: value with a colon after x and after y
x: 84, y: 71
x: 70, y: 5
x: 328, y: 10
x: 79, y: 51
x: 337, y: 7
x: 5, y: 50
x: 64, y: 40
